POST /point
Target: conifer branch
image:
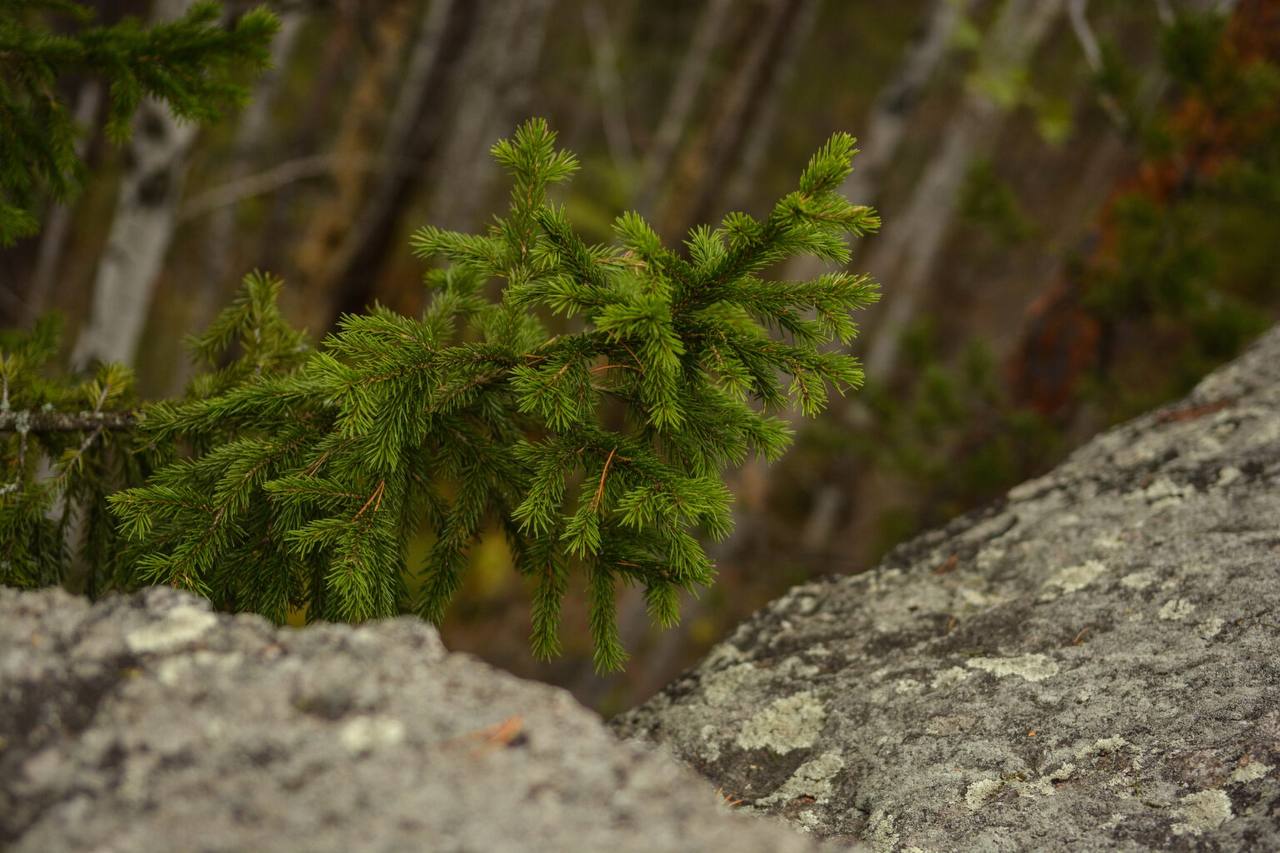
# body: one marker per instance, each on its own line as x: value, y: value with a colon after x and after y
x: 292, y: 476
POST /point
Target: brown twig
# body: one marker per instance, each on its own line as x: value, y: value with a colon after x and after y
x: 375, y: 499
x: 604, y: 472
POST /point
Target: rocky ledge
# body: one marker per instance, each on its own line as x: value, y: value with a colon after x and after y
x: 148, y: 723
x: 1092, y: 663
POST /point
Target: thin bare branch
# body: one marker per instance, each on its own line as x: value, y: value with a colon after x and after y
x: 1077, y: 13
x: 25, y: 421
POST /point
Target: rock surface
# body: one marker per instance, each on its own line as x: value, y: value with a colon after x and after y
x: 1092, y: 663
x: 148, y: 723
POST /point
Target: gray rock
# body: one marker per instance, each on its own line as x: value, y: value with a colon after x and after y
x: 1093, y: 663
x: 148, y: 723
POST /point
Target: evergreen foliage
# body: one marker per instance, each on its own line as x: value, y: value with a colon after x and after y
x: 599, y: 450
x: 194, y: 64
x: 66, y: 446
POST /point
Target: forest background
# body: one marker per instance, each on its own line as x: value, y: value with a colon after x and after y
x: 1081, y: 204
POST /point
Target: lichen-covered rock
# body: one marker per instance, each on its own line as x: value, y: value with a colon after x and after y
x: 150, y: 724
x: 1091, y: 664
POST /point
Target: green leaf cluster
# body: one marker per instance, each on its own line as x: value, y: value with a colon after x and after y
x: 598, y: 449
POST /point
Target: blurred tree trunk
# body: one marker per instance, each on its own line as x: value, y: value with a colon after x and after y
x: 412, y: 135
x: 497, y: 69
x: 142, y: 227
x: 742, y: 188
x: 905, y: 254
x: 252, y: 131
x: 329, y: 226
x: 883, y: 132
x: 494, y: 47
x: 743, y: 102
x: 53, y: 239
x: 278, y: 239
x: 612, y: 95
x: 684, y: 94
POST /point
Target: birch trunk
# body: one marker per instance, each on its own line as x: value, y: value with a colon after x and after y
x: 906, y: 253
x: 609, y: 86
x: 881, y: 136
x: 142, y: 227
x: 360, y: 135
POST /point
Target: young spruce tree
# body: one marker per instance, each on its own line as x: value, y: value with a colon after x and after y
x: 291, y: 478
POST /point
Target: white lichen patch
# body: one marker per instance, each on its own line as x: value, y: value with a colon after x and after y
x: 1164, y: 492
x: 1176, y: 610
x: 1211, y: 628
x: 1227, y: 475
x: 982, y: 792
x: 949, y: 677
x: 988, y: 557
x: 181, y: 626
x: 815, y: 778
x: 979, y: 598
x: 1250, y: 772
x: 804, y: 604
x: 1103, y: 746
x: 1203, y: 810
x: 364, y: 734
x: 793, y: 722
x: 173, y: 670
x: 709, y: 747
x: 725, y: 686
x: 947, y: 725
x: 1063, y: 773
x: 906, y: 686
x: 882, y: 831
x: 1075, y: 578
x: 1107, y: 541
x: 1138, y: 580
x: 798, y: 669
x: 1035, y: 667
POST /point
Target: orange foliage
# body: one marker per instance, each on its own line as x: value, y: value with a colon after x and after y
x: 1063, y: 341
